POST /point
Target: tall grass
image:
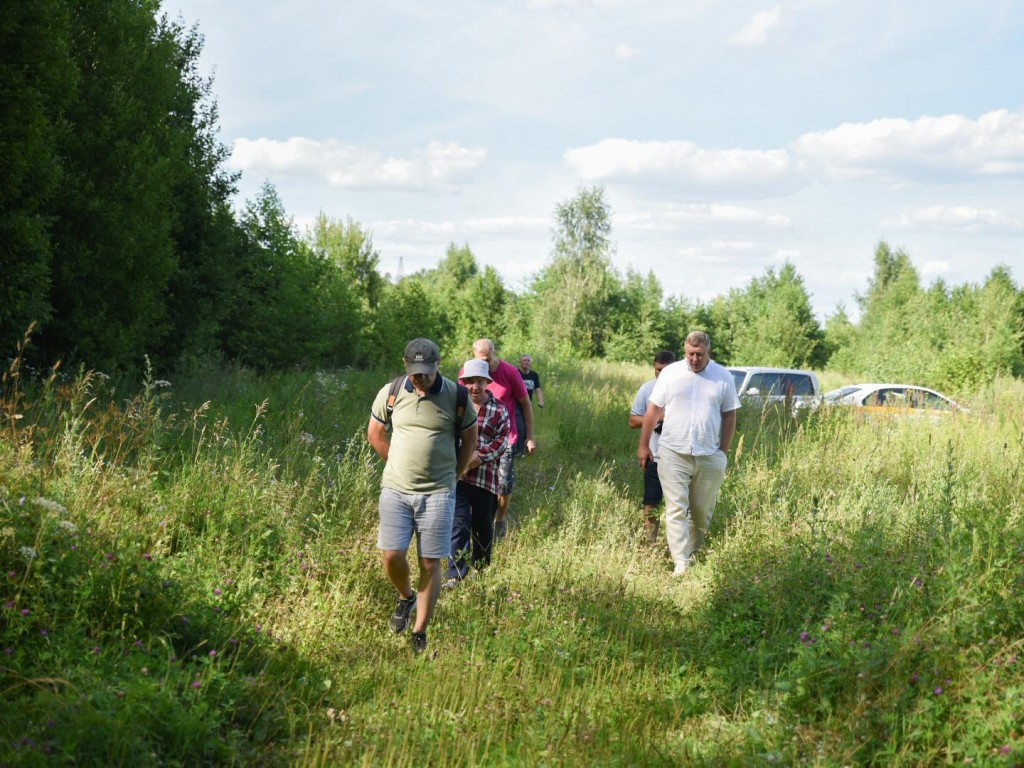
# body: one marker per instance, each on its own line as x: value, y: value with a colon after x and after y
x: 189, y: 576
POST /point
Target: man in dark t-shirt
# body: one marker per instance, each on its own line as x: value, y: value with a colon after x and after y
x: 531, y: 380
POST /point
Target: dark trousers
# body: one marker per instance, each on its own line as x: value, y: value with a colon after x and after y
x: 472, y: 529
x: 520, y: 446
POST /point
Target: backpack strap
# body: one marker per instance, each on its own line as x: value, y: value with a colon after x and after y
x: 461, y: 398
x: 396, y: 387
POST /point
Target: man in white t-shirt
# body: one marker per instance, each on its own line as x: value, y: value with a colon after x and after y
x: 696, y: 401
x: 652, y: 485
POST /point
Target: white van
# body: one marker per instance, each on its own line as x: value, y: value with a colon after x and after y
x: 765, y: 385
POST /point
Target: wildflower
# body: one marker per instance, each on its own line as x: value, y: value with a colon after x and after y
x: 213, y: 653
x: 68, y: 527
x: 828, y: 558
x: 51, y: 506
x: 144, y: 671
x: 97, y: 650
x: 915, y: 678
x: 216, y: 591
x: 28, y: 553
x: 147, y: 557
x: 1005, y: 749
x: 12, y: 575
x: 895, y: 632
x: 9, y: 605
x: 21, y: 501
x: 938, y: 690
x: 110, y: 556
x: 161, y: 384
x: 197, y: 685
x: 8, y: 651
x: 25, y: 612
x: 44, y: 632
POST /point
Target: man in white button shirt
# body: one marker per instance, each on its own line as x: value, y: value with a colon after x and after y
x: 696, y: 401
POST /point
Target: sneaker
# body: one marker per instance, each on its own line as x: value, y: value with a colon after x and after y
x: 419, y: 642
x: 449, y: 583
x: 406, y: 608
x: 679, y: 571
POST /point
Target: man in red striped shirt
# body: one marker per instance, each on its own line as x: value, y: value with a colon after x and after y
x: 476, y: 494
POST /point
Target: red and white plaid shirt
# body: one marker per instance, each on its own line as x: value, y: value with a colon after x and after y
x: 493, y: 428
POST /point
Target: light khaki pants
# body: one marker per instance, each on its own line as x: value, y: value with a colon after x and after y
x: 690, y: 484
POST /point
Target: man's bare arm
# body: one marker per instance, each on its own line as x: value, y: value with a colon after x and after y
x: 728, y: 430
x: 654, y: 414
x: 376, y: 433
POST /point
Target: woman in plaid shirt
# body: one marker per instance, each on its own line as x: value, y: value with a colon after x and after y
x: 476, y: 495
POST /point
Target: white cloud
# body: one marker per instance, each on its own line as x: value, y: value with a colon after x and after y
x: 624, y: 52
x: 992, y: 145
x: 673, y: 217
x: 960, y: 217
x: 684, y: 161
x: 350, y: 166
x: 756, y: 32
x: 505, y: 226
x: 542, y: 4
x: 950, y: 148
x: 933, y: 268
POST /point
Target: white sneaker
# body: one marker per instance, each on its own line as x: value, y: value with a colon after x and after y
x: 679, y: 571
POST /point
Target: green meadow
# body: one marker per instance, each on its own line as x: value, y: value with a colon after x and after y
x: 190, y: 577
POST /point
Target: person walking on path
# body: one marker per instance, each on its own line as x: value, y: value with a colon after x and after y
x: 506, y: 385
x: 531, y: 379
x: 696, y: 401
x: 476, y: 495
x: 652, y: 485
x: 422, y: 463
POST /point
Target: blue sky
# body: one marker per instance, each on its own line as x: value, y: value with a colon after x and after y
x: 729, y: 137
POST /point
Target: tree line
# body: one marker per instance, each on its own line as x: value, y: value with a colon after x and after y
x: 119, y: 239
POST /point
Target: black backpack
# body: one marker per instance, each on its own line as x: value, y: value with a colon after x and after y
x: 461, y: 398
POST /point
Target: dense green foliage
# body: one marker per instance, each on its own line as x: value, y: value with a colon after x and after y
x: 189, y: 576
x: 119, y: 242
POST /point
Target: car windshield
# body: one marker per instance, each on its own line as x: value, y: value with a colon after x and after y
x: 737, y: 377
x: 782, y: 384
x: 838, y: 394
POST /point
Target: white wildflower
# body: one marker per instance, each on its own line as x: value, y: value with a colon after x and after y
x: 161, y: 384
x: 68, y: 527
x: 51, y: 506
x: 28, y: 553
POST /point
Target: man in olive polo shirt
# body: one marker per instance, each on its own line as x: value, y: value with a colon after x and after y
x: 417, y: 493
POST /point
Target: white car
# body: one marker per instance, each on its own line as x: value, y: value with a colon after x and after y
x: 893, y: 400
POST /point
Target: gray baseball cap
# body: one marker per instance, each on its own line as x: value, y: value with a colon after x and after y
x: 421, y: 356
